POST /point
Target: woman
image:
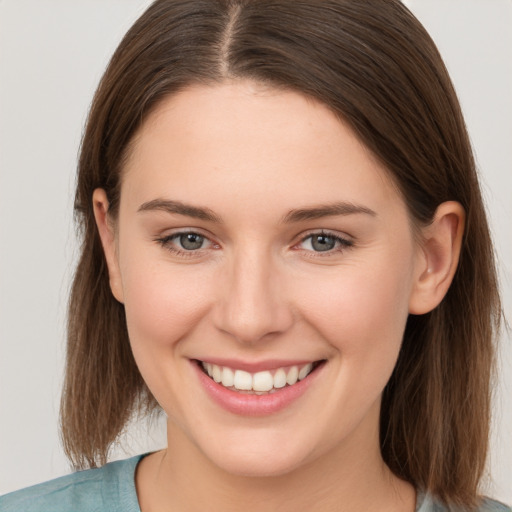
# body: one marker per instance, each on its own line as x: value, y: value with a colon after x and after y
x: 285, y: 249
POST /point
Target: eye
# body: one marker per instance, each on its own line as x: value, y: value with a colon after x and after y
x: 184, y: 243
x: 190, y: 241
x: 324, y: 242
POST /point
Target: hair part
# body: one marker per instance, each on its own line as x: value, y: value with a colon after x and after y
x: 373, y: 64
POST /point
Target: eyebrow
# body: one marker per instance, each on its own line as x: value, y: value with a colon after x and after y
x: 327, y: 210
x: 180, y: 208
x: 293, y: 216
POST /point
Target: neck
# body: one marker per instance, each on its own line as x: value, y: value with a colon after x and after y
x: 352, y: 477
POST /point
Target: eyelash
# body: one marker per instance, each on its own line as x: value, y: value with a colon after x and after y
x: 166, y: 243
x: 341, y: 244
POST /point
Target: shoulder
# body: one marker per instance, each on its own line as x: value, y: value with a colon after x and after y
x: 110, y: 487
x: 426, y: 503
x: 489, y: 505
x: 494, y: 506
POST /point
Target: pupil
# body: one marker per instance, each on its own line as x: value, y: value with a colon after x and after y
x: 191, y: 241
x: 323, y: 243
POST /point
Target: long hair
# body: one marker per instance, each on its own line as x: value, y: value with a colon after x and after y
x: 373, y: 64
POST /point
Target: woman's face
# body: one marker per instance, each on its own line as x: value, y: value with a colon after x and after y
x: 257, y: 238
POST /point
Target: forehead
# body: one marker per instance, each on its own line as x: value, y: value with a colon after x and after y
x: 246, y: 141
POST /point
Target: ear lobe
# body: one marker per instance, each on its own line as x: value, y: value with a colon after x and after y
x: 108, y: 241
x: 440, y: 251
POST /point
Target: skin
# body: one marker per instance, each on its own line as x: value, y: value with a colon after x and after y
x: 258, y: 290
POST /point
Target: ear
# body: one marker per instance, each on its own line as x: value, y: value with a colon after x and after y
x: 108, y: 241
x: 438, y: 257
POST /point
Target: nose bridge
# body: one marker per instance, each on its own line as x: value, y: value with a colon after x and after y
x: 253, y: 304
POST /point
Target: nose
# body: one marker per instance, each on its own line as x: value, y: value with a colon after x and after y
x: 252, y: 305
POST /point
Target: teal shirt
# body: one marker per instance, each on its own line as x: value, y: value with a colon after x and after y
x: 109, y: 488
x: 112, y: 488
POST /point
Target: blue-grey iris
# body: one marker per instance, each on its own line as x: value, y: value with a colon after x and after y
x: 191, y: 241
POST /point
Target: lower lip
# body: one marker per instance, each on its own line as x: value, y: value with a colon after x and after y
x: 255, y: 405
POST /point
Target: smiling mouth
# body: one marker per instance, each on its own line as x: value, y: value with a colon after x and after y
x: 259, y: 383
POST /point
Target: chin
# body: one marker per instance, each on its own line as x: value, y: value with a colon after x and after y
x: 258, y: 465
x: 259, y: 457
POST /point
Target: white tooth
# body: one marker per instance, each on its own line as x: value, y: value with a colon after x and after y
x: 280, y: 378
x: 216, y: 373
x: 305, y: 370
x: 242, y: 380
x: 227, y: 377
x: 262, y: 381
x: 293, y: 375
x: 208, y: 367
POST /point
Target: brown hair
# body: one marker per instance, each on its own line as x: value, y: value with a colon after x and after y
x: 374, y: 65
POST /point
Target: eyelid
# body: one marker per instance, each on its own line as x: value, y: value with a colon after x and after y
x: 166, y: 242
x: 343, y: 242
x: 173, y: 232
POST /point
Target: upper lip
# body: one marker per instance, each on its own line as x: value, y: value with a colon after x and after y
x: 256, y: 366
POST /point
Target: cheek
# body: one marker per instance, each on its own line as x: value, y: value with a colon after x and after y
x: 163, y: 306
x: 361, y: 314
x: 163, y: 303
x: 361, y: 310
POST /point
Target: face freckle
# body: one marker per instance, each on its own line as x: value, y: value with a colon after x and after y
x: 256, y: 230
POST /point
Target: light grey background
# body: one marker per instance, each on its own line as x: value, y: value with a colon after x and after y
x: 52, y: 54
